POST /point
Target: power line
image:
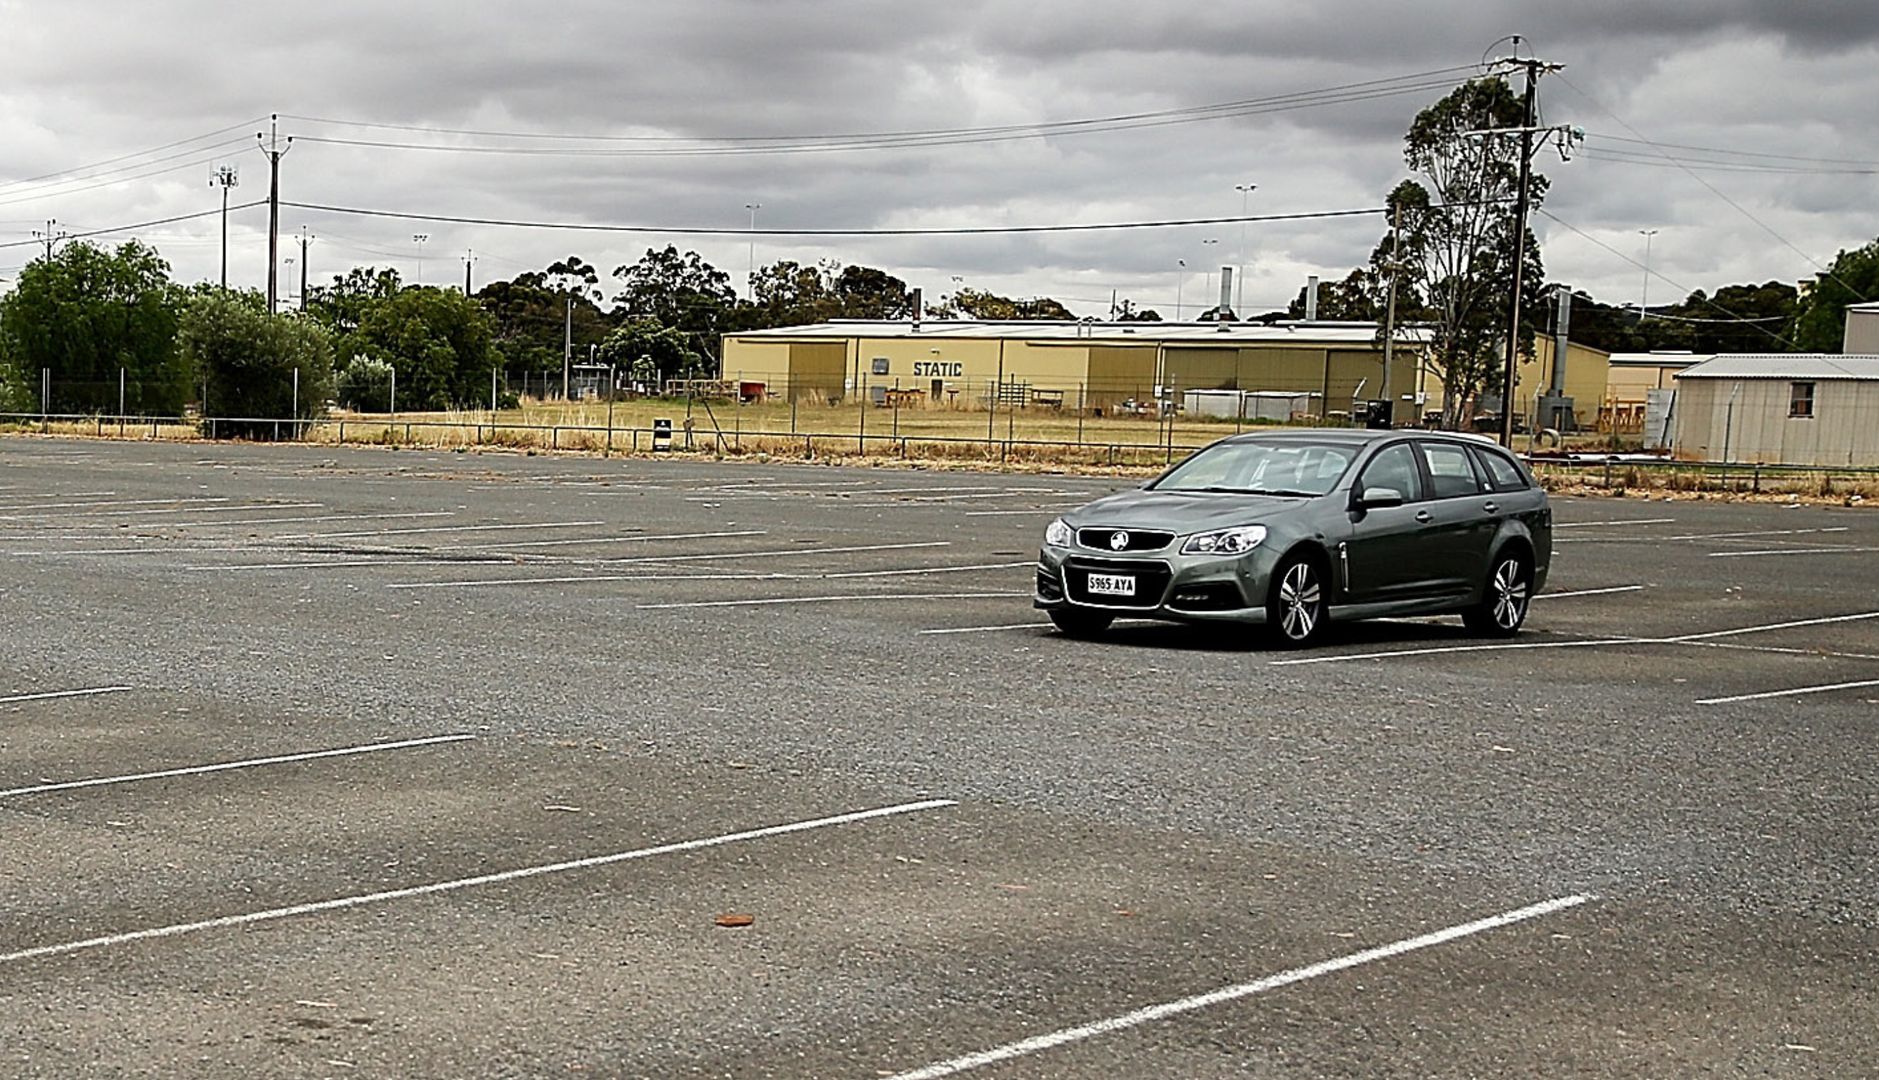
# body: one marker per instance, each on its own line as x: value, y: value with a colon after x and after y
x: 1393, y: 84
x: 1714, y: 190
x: 1718, y: 150
x: 859, y: 145
x: 1625, y: 157
x: 33, y: 195
x: 134, y: 154
x: 977, y: 230
x: 138, y: 225
x: 1733, y: 317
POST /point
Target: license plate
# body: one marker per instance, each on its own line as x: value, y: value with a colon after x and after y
x: 1112, y: 585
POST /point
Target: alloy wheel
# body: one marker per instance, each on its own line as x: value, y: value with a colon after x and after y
x: 1299, y: 601
x: 1509, y: 602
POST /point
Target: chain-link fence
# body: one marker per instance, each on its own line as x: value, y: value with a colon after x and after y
x: 1072, y: 421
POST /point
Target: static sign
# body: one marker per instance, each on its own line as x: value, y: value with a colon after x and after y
x: 938, y: 369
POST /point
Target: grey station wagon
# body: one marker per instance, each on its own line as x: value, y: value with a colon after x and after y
x: 1288, y: 530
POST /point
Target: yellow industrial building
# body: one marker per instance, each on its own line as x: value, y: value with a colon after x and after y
x: 1093, y: 365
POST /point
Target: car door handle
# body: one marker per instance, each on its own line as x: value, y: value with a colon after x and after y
x: 1491, y: 507
x: 1422, y: 516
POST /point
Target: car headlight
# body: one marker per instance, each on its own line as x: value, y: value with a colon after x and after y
x: 1225, y: 541
x: 1058, y: 534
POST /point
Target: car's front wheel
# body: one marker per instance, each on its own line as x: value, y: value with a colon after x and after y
x: 1504, y: 601
x: 1081, y: 624
x: 1295, y: 604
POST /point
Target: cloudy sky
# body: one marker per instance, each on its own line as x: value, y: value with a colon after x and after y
x: 116, y: 112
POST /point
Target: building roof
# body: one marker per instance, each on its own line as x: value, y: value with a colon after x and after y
x: 1662, y: 358
x: 1824, y: 367
x: 1120, y: 333
x: 1870, y: 305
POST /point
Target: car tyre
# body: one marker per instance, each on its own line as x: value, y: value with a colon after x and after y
x: 1295, y: 603
x: 1505, y: 598
x: 1082, y: 625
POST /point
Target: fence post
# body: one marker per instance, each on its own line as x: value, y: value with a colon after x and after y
x: 861, y: 436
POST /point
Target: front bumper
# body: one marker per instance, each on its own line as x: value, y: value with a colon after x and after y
x: 1168, y: 585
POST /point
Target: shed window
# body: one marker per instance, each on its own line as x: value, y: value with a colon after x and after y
x: 1801, y: 400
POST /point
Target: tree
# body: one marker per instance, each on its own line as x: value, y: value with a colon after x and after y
x: 650, y: 352
x: 863, y: 292
x: 540, y: 313
x: 248, y: 359
x: 683, y: 292
x: 85, y: 313
x: 342, y: 306
x: 787, y: 293
x: 1126, y: 311
x: 1363, y: 296
x: 1458, y: 236
x: 1853, y: 278
x: 991, y: 307
x: 440, y: 341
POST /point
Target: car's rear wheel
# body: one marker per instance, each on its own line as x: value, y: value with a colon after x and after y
x: 1504, y: 600
x: 1081, y: 624
x: 1295, y: 603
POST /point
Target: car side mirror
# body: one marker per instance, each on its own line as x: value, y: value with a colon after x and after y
x: 1379, y: 498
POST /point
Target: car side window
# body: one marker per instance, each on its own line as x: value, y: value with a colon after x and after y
x: 1501, y: 470
x: 1451, y: 470
x: 1393, y: 467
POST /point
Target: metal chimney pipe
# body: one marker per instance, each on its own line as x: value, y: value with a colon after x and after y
x: 1226, y: 289
x: 1561, y: 337
x: 1311, y: 298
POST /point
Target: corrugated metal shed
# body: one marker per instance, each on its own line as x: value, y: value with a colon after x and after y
x: 1820, y: 367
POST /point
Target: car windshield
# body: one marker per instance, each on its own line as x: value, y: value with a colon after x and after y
x: 1291, y: 467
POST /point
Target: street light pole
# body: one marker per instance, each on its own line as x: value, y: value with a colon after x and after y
x: 750, y: 255
x: 1180, y: 279
x: 1644, y: 299
x: 1239, y: 296
x: 419, y: 239
x: 225, y: 176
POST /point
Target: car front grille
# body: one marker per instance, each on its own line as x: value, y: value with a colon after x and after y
x: 1133, y: 539
x: 1151, y: 581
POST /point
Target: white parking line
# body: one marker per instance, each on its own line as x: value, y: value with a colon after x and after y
x: 1444, y: 649
x: 1013, y: 513
x: 334, y: 564
x: 656, y: 561
x: 921, y: 570
x: 1153, y: 1013
x: 50, y: 694
x: 63, y: 519
x: 192, y: 499
x: 1697, y: 536
x: 609, y: 540
x: 1680, y: 639
x: 780, y: 553
x: 988, y: 629
x: 1859, y: 617
x: 1586, y: 592
x: 441, y: 529
x: 1789, y: 551
x: 767, y: 601
x: 1608, y: 524
x: 1788, y: 693
x: 197, y: 770
x: 360, y: 900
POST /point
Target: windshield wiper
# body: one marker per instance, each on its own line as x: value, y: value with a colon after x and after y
x: 1282, y: 493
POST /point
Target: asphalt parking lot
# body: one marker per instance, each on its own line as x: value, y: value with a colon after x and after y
x: 320, y: 763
